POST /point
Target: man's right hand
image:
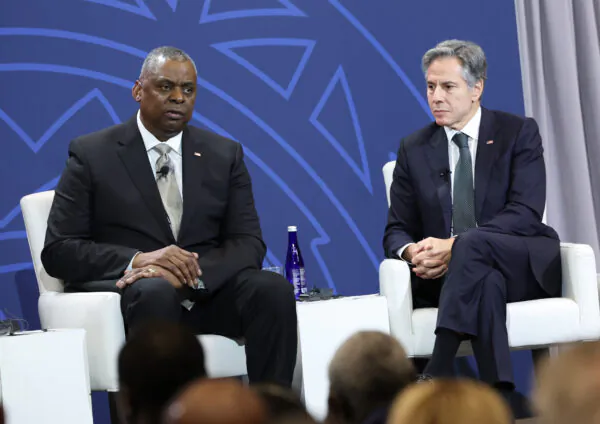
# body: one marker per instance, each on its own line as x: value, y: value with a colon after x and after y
x: 411, y: 251
x: 150, y: 271
x: 181, y: 263
x: 425, y: 266
x: 431, y: 257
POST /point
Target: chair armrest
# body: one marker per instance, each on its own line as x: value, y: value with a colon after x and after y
x: 579, y: 283
x: 99, y: 314
x: 394, y: 284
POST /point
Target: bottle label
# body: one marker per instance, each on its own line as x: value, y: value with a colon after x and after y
x: 299, y: 281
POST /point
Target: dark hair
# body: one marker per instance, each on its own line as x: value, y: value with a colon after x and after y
x: 157, y: 361
x: 281, y: 402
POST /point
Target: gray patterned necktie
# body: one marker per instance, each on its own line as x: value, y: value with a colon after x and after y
x: 167, y: 186
x: 463, y: 195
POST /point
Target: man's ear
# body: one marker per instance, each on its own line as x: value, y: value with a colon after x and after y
x: 477, y: 91
x: 136, y: 91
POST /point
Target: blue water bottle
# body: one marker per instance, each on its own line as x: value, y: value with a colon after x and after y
x: 294, y: 264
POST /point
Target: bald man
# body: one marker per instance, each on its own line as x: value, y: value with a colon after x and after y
x: 220, y: 401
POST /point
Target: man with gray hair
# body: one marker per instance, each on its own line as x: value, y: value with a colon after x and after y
x: 163, y: 213
x: 365, y: 375
x: 467, y: 201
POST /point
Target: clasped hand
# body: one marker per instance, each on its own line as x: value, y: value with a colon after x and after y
x: 430, y: 257
x: 179, y: 267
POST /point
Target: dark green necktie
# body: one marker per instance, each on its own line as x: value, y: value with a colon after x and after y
x: 463, y: 195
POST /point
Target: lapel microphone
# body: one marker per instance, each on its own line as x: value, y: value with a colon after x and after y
x: 445, y: 175
x: 163, y: 172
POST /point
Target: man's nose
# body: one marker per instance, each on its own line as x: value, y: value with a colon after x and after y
x: 437, y: 95
x: 177, y: 95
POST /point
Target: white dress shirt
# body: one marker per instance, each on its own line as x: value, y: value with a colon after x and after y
x: 472, y: 131
x: 150, y: 142
x: 175, y: 154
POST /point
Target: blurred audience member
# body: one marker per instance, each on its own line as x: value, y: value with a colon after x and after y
x: 295, y: 419
x: 365, y: 375
x: 450, y: 402
x: 221, y: 401
x: 157, y: 361
x: 282, y: 403
x: 568, y: 386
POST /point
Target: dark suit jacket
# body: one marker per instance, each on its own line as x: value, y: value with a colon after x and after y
x: 107, y: 207
x: 510, y: 190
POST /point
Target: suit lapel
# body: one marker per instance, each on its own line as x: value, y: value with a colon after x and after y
x: 194, y: 166
x: 486, y: 156
x: 437, y: 157
x: 132, y: 153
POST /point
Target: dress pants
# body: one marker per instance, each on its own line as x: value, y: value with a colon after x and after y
x: 486, y: 271
x: 258, y: 306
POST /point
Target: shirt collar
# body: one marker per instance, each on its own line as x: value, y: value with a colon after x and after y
x: 471, y: 129
x: 150, y: 141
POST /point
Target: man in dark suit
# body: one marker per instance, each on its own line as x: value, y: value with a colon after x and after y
x: 164, y: 213
x: 467, y: 201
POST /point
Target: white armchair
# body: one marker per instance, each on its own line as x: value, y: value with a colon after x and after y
x: 532, y: 324
x: 100, y: 313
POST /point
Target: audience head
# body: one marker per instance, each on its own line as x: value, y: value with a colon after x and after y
x: 219, y: 401
x: 294, y: 419
x: 365, y: 375
x: 449, y: 402
x: 282, y: 403
x: 157, y: 361
x: 567, y: 389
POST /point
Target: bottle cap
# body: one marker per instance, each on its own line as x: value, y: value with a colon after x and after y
x: 292, y: 228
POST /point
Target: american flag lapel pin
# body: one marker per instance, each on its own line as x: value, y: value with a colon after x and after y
x: 489, y: 142
x: 197, y: 154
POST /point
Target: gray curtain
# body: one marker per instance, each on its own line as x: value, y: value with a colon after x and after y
x: 559, y: 42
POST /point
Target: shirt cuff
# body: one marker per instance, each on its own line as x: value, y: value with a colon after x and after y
x: 200, y: 285
x: 401, y: 251
x: 130, y: 266
x: 187, y: 304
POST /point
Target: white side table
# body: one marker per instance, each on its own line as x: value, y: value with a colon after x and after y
x: 323, y: 326
x: 44, y: 377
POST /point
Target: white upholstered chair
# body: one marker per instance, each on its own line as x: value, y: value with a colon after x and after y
x: 532, y: 324
x: 100, y: 313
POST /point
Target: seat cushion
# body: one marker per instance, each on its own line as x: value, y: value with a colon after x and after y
x: 532, y: 323
x: 223, y: 357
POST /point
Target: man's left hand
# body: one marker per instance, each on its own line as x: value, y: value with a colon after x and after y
x: 149, y: 271
x: 432, y: 261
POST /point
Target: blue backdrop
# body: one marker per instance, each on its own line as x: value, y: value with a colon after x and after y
x: 318, y: 91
